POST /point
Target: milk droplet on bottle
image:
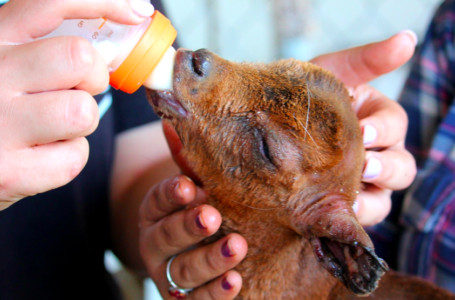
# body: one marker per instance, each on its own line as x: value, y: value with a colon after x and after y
x: 135, y: 54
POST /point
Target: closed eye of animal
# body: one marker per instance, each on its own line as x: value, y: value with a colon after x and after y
x: 263, y: 146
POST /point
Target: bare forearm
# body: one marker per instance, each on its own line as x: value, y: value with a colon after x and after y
x: 142, y: 159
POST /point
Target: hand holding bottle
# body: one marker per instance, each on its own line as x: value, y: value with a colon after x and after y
x: 46, y: 89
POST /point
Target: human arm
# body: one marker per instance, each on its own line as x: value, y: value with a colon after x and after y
x: 46, y: 93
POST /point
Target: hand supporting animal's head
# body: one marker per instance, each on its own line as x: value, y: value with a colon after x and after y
x: 282, y: 138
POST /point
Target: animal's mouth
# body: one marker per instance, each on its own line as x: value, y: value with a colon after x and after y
x: 190, y: 69
x: 356, y: 266
x: 166, y: 105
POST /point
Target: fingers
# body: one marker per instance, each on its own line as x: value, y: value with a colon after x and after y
x: 169, y: 196
x: 179, y: 231
x: 55, y: 64
x: 383, y: 121
x: 393, y: 169
x: 47, y: 117
x: 362, y: 64
x: 168, y: 229
x: 223, y: 288
x: 384, y: 125
x: 35, y: 18
x: 196, y: 267
x: 373, y: 205
x: 42, y: 168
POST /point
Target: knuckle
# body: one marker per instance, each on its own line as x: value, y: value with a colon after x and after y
x: 81, y: 56
x: 77, y: 158
x: 147, y: 204
x: 12, y: 189
x: 399, y: 122
x: 386, y: 207
x: 151, y: 201
x: 167, y: 230
x: 81, y: 112
x: 402, y: 129
x: 161, y: 196
x: 402, y: 115
x: 185, y: 273
x: 213, y: 265
x: 388, y: 172
x: 10, y: 185
x: 4, y: 204
x: 410, y: 170
x: 212, y: 294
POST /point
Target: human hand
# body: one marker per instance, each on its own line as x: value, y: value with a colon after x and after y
x: 46, y: 89
x: 389, y: 166
x: 173, y: 219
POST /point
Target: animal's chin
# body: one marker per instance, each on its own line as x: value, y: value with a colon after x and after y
x: 166, y: 105
x: 357, y: 267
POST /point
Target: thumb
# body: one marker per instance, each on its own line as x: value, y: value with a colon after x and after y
x: 362, y: 64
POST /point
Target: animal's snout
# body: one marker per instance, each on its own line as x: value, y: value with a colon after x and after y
x: 196, y: 75
x: 201, y: 62
x: 196, y: 65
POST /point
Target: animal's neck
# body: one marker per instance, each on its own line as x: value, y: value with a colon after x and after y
x: 279, y: 264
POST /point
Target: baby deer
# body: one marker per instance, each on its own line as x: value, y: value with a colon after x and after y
x: 279, y: 151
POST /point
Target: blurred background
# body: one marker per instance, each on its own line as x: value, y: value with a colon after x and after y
x: 267, y: 30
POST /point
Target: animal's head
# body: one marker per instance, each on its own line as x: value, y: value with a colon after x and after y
x: 282, y: 138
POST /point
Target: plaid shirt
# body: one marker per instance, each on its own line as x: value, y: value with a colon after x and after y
x: 419, y: 235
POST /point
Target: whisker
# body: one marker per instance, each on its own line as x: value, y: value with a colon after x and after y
x: 306, y: 131
x: 264, y: 209
x: 308, y: 111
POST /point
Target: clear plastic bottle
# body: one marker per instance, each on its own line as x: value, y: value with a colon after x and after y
x: 135, y: 54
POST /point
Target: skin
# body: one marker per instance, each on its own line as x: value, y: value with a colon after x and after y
x: 46, y: 93
x: 49, y: 149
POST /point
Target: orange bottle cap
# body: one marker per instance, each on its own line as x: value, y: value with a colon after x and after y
x: 146, y: 55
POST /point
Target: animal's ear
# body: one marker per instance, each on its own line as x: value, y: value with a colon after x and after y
x: 340, y: 243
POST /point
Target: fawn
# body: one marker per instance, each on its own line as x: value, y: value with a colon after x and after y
x: 279, y: 151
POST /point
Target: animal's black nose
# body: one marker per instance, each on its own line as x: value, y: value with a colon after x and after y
x: 202, y: 62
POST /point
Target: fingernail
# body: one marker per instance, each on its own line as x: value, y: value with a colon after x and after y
x: 187, y: 178
x: 226, y: 285
x: 369, y: 134
x: 355, y: 207
x: 142, y: 8
x: 200, y: 222
x: 412, y: 35
x: 226, y: 249
x: 373, y: 169
x: 178, y: 191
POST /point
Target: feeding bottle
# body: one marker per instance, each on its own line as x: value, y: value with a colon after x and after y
x: 135, y: 54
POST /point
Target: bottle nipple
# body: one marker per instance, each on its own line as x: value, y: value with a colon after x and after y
x: 162, y: 77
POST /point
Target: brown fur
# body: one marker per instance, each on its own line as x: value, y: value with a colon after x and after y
x: 291, y: 200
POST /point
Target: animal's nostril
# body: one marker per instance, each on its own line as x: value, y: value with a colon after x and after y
x: 197, y: 67
x: 201, y: 63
